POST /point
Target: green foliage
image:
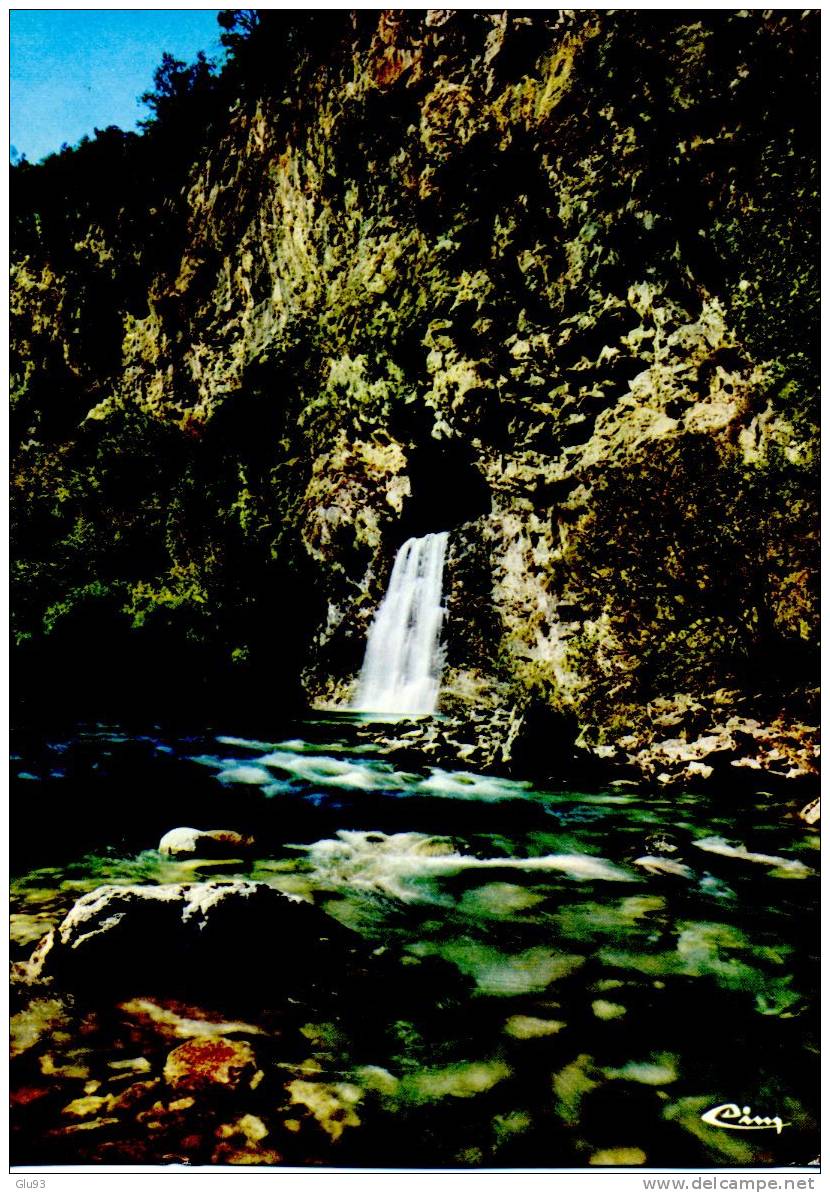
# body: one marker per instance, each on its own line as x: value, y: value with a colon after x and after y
x: 177, y: 89
x: 694, y: 571
x: 238, y: 24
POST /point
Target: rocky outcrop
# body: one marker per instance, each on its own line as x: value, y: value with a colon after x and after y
x: 116, y: 935
x: 737, y: 748
x: 544, y: 279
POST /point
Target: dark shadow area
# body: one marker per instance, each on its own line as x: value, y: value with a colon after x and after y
x: 447, y: 489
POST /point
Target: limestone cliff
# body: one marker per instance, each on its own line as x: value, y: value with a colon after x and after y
x: 545, y: 279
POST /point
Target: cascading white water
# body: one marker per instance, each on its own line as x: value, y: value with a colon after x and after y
x: 402, y: 666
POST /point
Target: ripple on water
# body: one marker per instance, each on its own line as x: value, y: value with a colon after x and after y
x: 407, y: 865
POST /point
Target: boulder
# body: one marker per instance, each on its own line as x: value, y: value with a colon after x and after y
x: 207, y: 843
x: 811, y: 813
x: 177, y: 935
x: 210, y: 1064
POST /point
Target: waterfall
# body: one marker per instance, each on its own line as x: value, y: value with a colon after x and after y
x: 402, y: 666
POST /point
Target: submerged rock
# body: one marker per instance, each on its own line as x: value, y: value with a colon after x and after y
x: 603, y: 1009
x: 464, y: 1080
x: 663, y: 865
x: 528, y: 1027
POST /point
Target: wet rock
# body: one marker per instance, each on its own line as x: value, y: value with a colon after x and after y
x: 249, y: 1128
x: 661, y: 843
x: 229, y: 1153
x: 95, y: 1124
x: 811, y: 813
x: 135, y: 1095
x: 721, y: 848
x: 74, y: 1070
x: 169, y: 1021
x: 780, y: 749
x: 165, y: 1115
x: 209, y: 1064
x: 86, y: 1107
x: 37, y: 1021
x: 206, y: 843
x: 31, y: 972
x: 130, y: 1066
x: 663, y: 865
x: 116, y: 935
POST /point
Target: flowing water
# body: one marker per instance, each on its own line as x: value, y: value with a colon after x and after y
x: 565, y: 977
x: 402, y: 668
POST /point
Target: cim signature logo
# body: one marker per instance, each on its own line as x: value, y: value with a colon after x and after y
x: 732, y: 1117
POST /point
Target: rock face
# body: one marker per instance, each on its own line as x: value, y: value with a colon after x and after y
x: 545, y: 279
x: 115, y: 935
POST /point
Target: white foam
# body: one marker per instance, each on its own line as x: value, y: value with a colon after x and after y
x: 394, y: 863
x: 718, y: 846
x: 254, y: 776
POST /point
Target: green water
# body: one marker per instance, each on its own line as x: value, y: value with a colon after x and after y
x: 564, y: 978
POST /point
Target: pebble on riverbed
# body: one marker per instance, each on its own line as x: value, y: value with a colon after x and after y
x: 210, y: 1063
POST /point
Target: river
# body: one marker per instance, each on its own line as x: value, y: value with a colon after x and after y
x: 577, y: 977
